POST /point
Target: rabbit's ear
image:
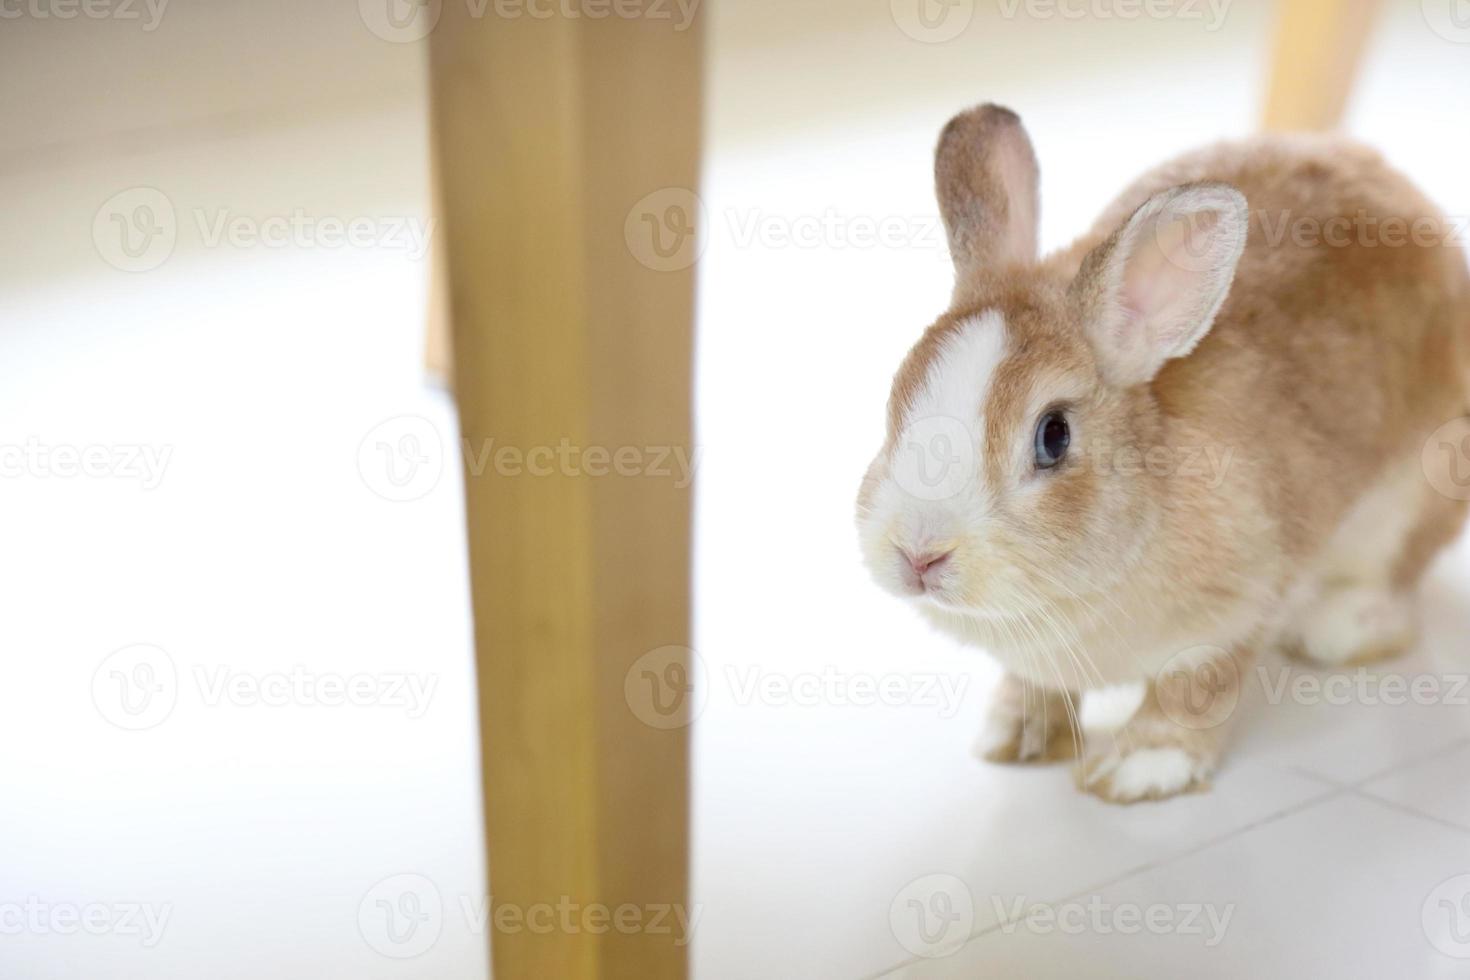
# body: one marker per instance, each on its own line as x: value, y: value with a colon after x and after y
x: 1151, y: 291
x: 985, y: 177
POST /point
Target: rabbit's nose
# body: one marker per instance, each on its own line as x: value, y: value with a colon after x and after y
x: 926, y: 561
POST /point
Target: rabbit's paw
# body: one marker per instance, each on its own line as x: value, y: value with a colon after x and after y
x: 1128, y: 774
x: 1355, y: 625
x: 1028, y: 725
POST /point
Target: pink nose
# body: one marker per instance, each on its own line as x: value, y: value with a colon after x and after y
x: 926, y: 561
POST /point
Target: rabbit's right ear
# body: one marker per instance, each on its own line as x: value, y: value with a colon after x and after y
x: 985, y: 176
x: 1151, y: 291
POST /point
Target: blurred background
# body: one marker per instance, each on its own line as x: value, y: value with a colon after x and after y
x: 238, y: 703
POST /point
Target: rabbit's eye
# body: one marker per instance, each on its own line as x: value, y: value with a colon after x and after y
x: 1053, y: 436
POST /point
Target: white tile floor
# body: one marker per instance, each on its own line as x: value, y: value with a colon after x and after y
x: 1324, y: 840
x: 823, y: 823
x: 255, y: 828
x: 1342, y: 887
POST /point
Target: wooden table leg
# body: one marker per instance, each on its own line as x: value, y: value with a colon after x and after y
x: 572, y: 361
x: 1319, y: 44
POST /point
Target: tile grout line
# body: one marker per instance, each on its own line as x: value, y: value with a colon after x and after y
x: 1333, y: 791
x: 1358, y: 788
x: 1407, y: 810
x: 1429, y: 756
x: 1270, y: 818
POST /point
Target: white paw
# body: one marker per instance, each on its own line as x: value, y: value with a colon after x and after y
x: 1356, y: 624
x: 997, y: 738
x: 1145, y: 774
x: 1006, y: 739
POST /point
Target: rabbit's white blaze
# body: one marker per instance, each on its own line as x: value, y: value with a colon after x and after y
x: 957, y: 384
x: 934, y: 493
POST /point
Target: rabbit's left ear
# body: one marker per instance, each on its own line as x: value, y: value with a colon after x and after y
x: 985, y: 177
x: 1150, y: 292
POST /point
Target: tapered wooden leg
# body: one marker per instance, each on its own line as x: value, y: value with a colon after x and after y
x: 572, y: 350
x: 1319, y: 44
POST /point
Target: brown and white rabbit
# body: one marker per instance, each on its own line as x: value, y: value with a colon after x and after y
x: 1194, y: 433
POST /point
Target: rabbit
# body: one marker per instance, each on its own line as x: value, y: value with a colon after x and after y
x: 1198, y: 432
